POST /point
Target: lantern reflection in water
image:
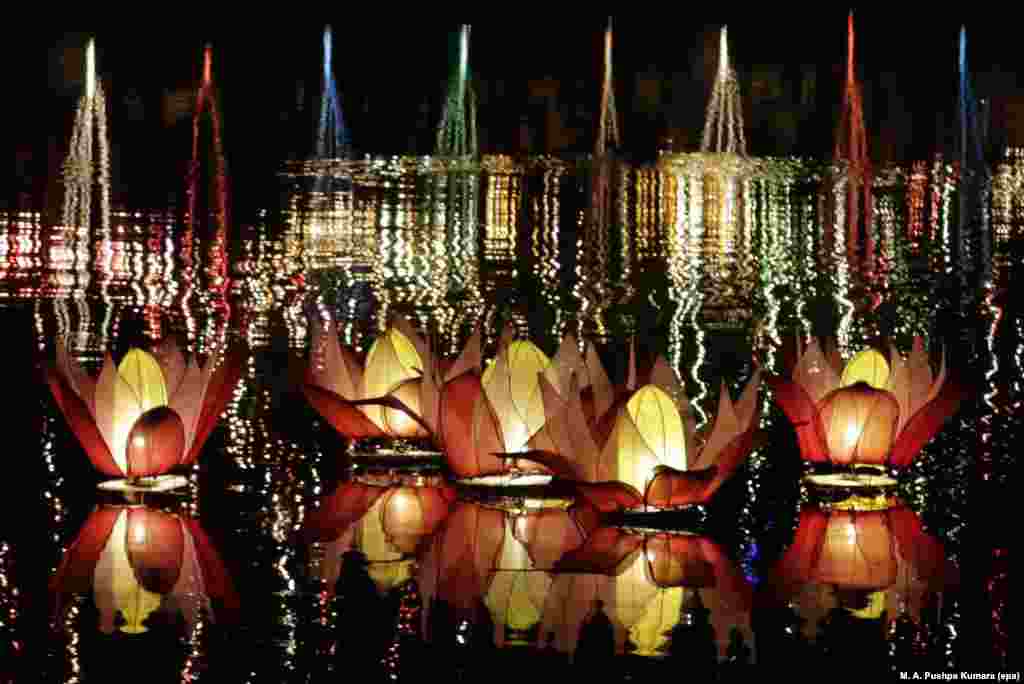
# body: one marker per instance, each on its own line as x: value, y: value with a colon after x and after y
x: 385, y: 523
x: 491, y: 563
x: 647, y: 584
x: 878, y: 563
x: 140, y: 561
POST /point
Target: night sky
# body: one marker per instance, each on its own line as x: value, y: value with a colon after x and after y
x: 391, y: 69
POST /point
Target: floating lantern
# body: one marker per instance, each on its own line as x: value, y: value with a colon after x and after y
x: 145, y: 416
x: 139, y: 561
x: 384, y: 398
x: 644, y: 451
x: 487, y: 419
x: 875, y: 411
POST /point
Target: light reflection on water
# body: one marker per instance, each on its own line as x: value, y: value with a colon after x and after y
x: 708, y: 269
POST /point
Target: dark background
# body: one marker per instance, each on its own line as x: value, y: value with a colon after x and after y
x: 538, y: 80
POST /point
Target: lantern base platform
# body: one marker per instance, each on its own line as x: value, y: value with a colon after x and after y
x: 145, y: 485
x: 507, y: 480
x: 672, y: 519
x: 851, y: 481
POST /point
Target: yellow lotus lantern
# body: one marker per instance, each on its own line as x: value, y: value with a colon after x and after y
x: 645, y: 451
x: 148, y: 414
x: 385, y: 397
x: 877, y: 410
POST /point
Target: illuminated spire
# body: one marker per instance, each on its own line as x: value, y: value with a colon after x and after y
x: 207, y: 65
x: 456, y: 134
x: 723, y: 123
x: 851, y: 138
x: 608, y: 129
x: 90, y: 68
x: 328, y: 58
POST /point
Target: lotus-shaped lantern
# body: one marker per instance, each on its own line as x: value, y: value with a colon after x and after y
x: 876, y: 411
x: 148, y: 414
x: 384, y: 397
x: 646, y: 583
x: 873, y: 559
x: 486, y: 418
x: 139, y: 561
x: 642, y: 448
x: 385, y: 523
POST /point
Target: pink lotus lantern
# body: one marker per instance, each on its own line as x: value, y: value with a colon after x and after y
x: 875, y: 411
x: 148, y: 414
x: 385, y: 396
x: 642, y: 449
x: 645, y: 584
x: 487, y: 418
x: 139, y: 561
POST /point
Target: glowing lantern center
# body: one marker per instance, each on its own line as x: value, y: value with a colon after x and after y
x: 868, y: 366
x: 143, y: 374
x: 658, y: 421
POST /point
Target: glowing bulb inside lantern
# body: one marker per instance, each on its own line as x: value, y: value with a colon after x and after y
x: 138, y: 534
x: 139, y: 442
x: 868, y: 366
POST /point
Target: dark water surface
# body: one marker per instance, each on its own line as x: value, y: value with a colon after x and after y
x: 283, y: 561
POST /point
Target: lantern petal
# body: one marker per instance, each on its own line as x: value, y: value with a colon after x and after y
x: 726, y: 428
x: 430, y: 396
x: 924, y: 424
x: 82, y: 425
x: 815, y: 374
x: 512, y: 387
x: 332, y: 367
x: 566, y: 431
x: 74, y: 575
x: 77, y: 378
x: 187, y: 401
x: 566, y: 363
x: 392, y: 360
x: 802, y: 414
x: 899, y: 386
x: 343, y: 415
x: 609, y: 497
x: 670, y: 487
x: 218, y: 393
x: 471, y: 357
x: 470, y: 432
x: 920, y: 371
x: 216, y: 579
x: 347, y: 504
x: 117, y: 409
x: 172, y: 365
x: 607, y: 551
x: 402, y: 325
x: 393, y: 403
x: 796, y: 567
x: 600, y: 385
